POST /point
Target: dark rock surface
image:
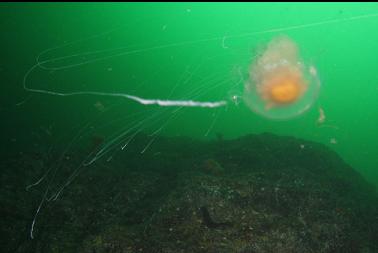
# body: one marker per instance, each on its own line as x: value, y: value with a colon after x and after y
x: 259, y: 193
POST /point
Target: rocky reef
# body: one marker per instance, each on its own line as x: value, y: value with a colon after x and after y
x: 256, y: 194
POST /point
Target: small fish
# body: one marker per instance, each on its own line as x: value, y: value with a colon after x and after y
x: 208, y: 221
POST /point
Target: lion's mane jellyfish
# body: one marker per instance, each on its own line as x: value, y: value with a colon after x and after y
x: 280, y: 85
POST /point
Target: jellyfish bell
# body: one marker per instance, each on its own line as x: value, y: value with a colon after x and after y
x: 280, y: 85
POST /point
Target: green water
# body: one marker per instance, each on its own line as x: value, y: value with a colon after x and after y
x: 180, y: 52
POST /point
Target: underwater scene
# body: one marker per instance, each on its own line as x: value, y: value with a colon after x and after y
x: 189, y: 127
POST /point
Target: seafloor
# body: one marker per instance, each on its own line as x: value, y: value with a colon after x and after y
x: 256, y: 194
